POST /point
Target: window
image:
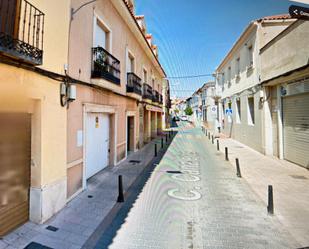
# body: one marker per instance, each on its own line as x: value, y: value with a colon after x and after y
x: 250, y: 55
x: 238, y: 66
x: 145, y: 76
x: 131, y: 63
x: 229, y: 74
x: 153, y: 83
x: 101, y: 35
x: 251, y: 118
x: 238, y: 111
x: 223, y: 78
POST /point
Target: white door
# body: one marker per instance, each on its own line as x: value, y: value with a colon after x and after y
x: 97, y: 143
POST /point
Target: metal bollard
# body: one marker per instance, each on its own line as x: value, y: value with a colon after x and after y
x: 226, y: 154
x: 162, y: 143
x: 120, y: 189
x: 238, y: 173
x: 218, y: 146
x: 205, y: 132
x: 209, y: 135
x: 212, y: 139
x: 169, y: 134
x: 270, y: 207
x: 156, y: 150
x: 166, y: 138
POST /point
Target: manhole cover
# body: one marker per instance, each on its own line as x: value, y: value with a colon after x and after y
x: 299, y: 177
x: 134, y: 161
x: 174, y: 172
x: 52, y: 228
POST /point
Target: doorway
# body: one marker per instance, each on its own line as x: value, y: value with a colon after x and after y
x: 130, y: 134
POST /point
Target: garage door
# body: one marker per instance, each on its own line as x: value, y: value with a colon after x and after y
x: 296, y: 129
x: 15, y: 153
x: 97, y: 143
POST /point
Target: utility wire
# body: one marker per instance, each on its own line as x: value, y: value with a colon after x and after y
x: 189, y: 76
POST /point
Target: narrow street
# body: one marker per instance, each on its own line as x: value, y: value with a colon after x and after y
x: 204, y: 206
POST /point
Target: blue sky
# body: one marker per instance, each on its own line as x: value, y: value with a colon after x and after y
x: 193, y: 36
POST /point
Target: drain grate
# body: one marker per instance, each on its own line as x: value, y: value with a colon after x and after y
x: 134, y: 161
x: 299, y: 177
x: 34, y: 245
x: 90, y: 196
x: 173, y: 172
x: 52, y: 228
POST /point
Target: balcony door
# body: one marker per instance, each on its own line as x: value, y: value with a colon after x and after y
x: 9, y: 17
x: 101, y: 35
x: 130, y: 64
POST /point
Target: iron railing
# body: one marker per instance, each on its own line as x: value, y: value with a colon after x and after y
x: 147, y: 91
x: 21, y: 31
x: 160, y: 99
x: 105, y: 65
x: 134, y: 84
x: 155, y: 96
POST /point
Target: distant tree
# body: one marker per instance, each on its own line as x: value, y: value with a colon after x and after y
x: 176, y: 111
x: 188, y: 111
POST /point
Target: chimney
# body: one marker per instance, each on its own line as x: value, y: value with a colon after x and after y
x: 149, y: 39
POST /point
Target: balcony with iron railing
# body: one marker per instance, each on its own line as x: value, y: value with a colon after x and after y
x: 21, y: 31
x: 155, y: 96
x: 134, y: 84
x: 147, y: 91
x: 105, y: 65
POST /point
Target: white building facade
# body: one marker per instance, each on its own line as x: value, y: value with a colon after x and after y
x: 241, y: 112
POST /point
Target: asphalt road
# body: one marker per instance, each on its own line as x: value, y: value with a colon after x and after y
x: 204, y: 205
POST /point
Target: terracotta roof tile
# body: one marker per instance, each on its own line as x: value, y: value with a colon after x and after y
x: 276, y: 17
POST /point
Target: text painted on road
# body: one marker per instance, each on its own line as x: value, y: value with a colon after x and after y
x: 189, y: 165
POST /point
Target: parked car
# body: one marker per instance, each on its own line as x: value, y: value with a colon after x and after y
x: 184, y: 118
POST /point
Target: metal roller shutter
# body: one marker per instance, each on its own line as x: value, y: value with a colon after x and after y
x: 296, y: 129
x: 15, y: 153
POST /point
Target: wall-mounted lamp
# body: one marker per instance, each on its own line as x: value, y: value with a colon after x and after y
x: 67, y: 94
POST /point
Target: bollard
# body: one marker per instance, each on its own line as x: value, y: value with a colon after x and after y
x: 209, y: 135
x: 166, y: 138
x: 218, y: 147
x: 212, y: 139
x: 270, y: 207
x: 156, y: 151
x: 237, y: 168
x: 120, y: 188
x: 205, y: 132
x: 169, y: 134
x: 162, y: 143
x: 226, y: 154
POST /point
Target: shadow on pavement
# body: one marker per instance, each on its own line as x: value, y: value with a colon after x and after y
x: 107, y: 230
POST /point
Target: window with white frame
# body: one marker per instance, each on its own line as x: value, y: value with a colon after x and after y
x: 131, y: 63
x: 237, y: 68
x: 238, y: 110
x: 145, y: 76
x: 251, y: 117
x: 250, y: 55
x: 101, y: 35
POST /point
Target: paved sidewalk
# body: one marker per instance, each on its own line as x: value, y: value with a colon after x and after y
x: 290, y: 183
x: 205, y: 206
x: 79, y: 219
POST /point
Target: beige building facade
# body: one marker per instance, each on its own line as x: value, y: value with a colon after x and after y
x: 285, y: 79
x: 33, y: 122
x: 119, y: 102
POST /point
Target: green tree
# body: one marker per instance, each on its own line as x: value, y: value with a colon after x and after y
x: 176, y: 111
x: 188, y: 111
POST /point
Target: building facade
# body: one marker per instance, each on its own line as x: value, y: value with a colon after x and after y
x: 239, y: 76
x: 33, y: 123
x: 119, y: 104
x: 209, y: 107
x: 285, y: 80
